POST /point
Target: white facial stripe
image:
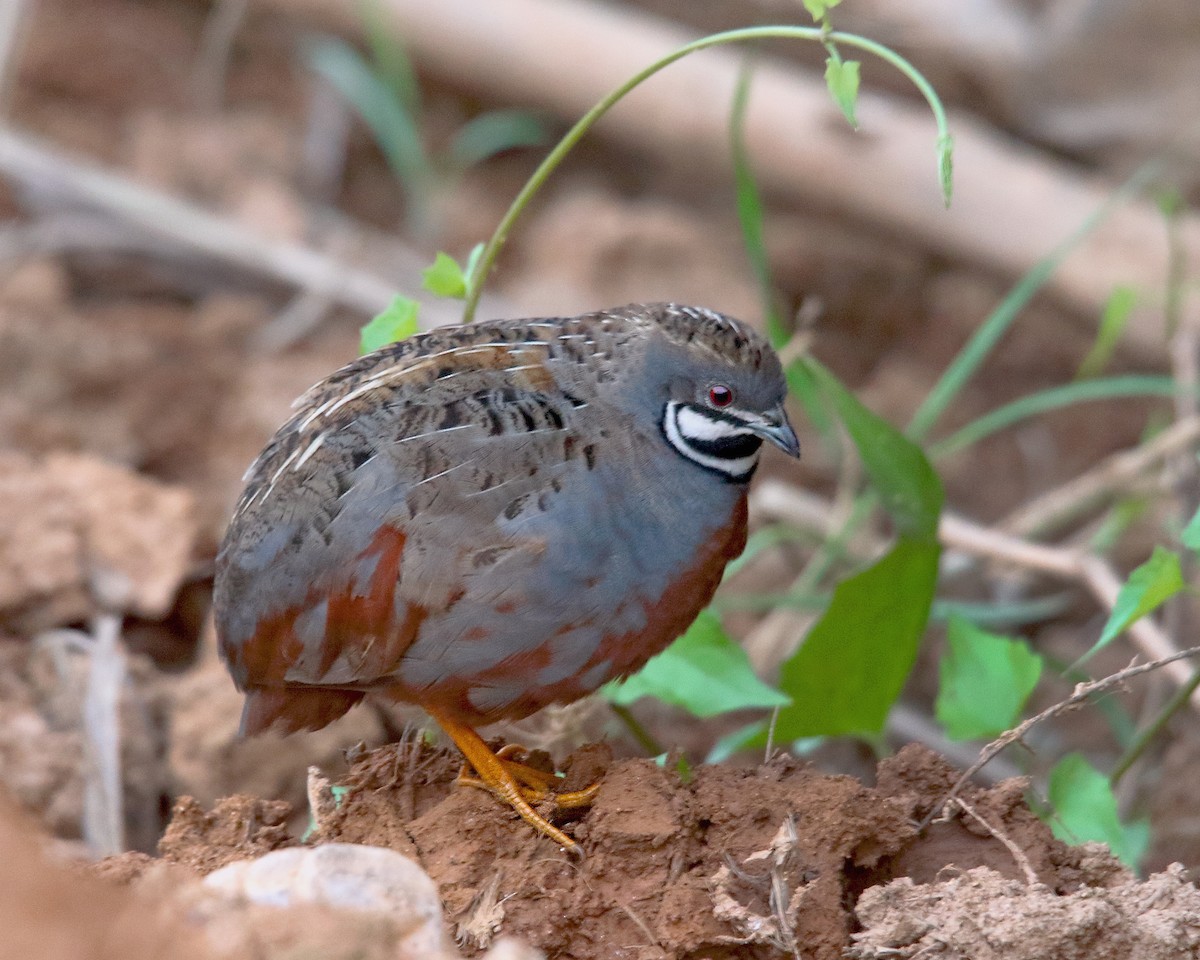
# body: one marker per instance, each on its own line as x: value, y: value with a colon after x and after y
x: 696, y: 426
x: 700, y: 427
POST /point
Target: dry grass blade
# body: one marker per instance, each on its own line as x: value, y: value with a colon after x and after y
x: 103, y: 813
x: 1111, y: 477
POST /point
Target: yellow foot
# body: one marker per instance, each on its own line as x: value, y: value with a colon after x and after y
x: 518, y: 784
x: 536, y: 785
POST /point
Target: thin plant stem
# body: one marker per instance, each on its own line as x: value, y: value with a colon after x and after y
x: 643, y: 736
x: 1176, y: 270
x: 1054, y: 398
x: 564, y: 146
x: 750, y: 208
x: 1135, y: 749
x: 770, y: 746
x: 834, y: 549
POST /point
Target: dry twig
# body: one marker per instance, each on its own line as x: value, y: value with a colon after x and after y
x: 1082, y: 692
x: 1110, y: 477
x: 1031, y: 877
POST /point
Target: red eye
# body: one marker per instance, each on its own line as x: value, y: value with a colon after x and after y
x: 720, y: 395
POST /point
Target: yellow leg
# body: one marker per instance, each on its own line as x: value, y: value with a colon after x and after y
x: 495, y: 775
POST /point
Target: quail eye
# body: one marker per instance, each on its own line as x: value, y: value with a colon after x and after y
x: 719, y: 395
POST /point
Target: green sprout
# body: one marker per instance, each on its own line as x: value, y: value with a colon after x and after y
x: 382, y: 89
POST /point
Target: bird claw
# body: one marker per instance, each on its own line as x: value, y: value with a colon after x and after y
x: 517, y: 784
x: 535, y: 785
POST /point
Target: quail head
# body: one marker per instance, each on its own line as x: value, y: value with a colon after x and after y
x: 487, y: 519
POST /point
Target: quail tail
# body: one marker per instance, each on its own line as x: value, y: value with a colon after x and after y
x: 292, y: 709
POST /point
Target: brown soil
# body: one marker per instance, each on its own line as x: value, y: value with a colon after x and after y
x: 752, y: 861
x: 776, y: 861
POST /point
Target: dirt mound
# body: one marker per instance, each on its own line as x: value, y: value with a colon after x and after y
x: 982, y: 915
x: 748, y: 861
x: 78, y: 534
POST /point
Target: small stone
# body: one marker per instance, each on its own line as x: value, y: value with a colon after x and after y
x: 344, y: 876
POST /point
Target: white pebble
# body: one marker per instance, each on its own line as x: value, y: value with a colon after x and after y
x: 344, y: 876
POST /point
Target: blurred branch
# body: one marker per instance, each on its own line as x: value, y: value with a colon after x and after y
x: 1111, y: 477
x: 45, y: 172
x: 100, y: 725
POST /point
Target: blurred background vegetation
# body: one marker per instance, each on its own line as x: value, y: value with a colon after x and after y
x: 202, y: 202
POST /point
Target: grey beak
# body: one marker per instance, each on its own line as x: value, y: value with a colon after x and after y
x: 774, y: 426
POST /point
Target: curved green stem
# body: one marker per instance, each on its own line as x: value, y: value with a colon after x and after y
x: 1054, y: 398
x: 588, y: 120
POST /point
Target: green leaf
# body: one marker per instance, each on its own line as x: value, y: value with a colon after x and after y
x: 910, y: 490
x: 1191, y: 534
x: 1115, y: 522
x: 855, y: 660
x: 737, y: 740
x: 1148, y: 587
x: 703, y: 671
x: 1113, y: 321
x: 820, y: 8
x: 390, y: 58
x: 445, y: 277
x: 491, y: 133
x: 803, y: 386
x: 683, y: 769
x: 841, y: 77
x: 1085, y: 809
x: 1169, y: 201
x: 398, y: 321
x: 984, y: 681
